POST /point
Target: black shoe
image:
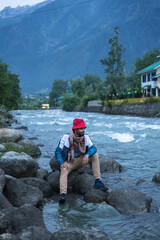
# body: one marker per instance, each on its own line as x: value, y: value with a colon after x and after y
x: 99, y: 185
x: 62, y: 198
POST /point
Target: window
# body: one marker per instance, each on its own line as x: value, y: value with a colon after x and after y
x: 148, y: 77
x: 153, y: 74
x: 144, y: 78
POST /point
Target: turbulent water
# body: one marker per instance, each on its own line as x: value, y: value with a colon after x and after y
x: 131, y: 141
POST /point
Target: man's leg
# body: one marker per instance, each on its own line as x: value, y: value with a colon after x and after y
x: 95, y: 166
x: 96, y: 173
x: 64, y: 173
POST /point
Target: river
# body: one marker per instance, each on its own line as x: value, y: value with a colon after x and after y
x: 131, y: 141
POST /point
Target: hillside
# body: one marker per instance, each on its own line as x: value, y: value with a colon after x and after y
x: 55, y: 41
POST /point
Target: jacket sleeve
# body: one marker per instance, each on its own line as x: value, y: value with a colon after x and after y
x: 91, y: 151
x: 58, y: 155
x: 61, y: 152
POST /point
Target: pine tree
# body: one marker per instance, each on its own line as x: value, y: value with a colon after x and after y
x: 114, y: 64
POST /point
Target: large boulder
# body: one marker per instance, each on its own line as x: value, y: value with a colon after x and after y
x: 42, y: 174
x: 23, y: 217
x: 95, y: 196
x: 43, y: 185
x: 30, y: 147
x: 2, y: 180
x: 127, y: 200
x: 83, y: 183
x: 4, y: 223
x: 156, y: 177
x: 53, y: 164
x: 4, y: 203
x: 2, y: 148
x: 35, y: 233
x: 18, y: 164
x: 78, y: 233
x: 53, y: 179
x: 8, y: 236
x: 108, y: 164
x: 19, y: 193
x: 10, y: 135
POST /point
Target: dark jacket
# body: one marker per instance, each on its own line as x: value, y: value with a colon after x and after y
x: 61, y: 152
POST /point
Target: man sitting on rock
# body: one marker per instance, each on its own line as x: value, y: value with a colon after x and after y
x: 76, y: 150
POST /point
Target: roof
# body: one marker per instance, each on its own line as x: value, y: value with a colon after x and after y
x: 150, y: 67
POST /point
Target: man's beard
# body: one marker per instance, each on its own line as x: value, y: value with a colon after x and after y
x: 80, y: 134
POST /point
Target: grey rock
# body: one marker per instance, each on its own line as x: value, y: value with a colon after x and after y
x: 2, y: 148
x: 43, y: 185
x: 53, y: 164
x: 10, y: 135
x: 2, y: 180
x: 83, y: 183
x: 108, y: 164
x: 127, y: 200
x: 19, y: 193
x: 23, y: 217
x: 18, y: 164
x: 156, y: 177
x: 53, y: 179
x: 4, y: 223
x: 31, y: 147
x: 78, y: 233
x: 42, y: 174
x: 35, y: 233
x: 8, y: 236
x: 95, y: 196
x: 4, y: 203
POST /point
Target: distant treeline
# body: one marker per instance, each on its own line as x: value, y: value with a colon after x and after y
x: 70, y: 94
x: 9, y: 87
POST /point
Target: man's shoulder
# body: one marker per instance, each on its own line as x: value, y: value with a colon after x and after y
x: 65, y: 136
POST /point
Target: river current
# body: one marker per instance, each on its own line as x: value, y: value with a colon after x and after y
x: 134, y: 142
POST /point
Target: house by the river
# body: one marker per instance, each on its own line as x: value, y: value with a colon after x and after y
x: 150, y: 79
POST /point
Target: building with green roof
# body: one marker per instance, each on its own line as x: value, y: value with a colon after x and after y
x: 150, y: 79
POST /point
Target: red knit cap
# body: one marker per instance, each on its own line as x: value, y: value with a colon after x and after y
x: 78, y: 123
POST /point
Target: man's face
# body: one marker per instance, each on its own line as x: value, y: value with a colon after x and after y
x: 79, y: 132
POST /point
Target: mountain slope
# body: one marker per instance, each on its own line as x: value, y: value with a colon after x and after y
x: 66, y: 42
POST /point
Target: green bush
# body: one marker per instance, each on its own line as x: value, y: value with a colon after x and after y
x: 86, y: 99
x: 150, y: 100
x: 70, y: 102
x: 10, y: 147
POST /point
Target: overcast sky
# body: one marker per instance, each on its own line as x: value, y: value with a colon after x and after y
x: 15, y: 3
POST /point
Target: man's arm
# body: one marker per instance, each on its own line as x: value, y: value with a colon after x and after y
x: 58, y: 155
x: 91, y: 151
x: 62, y: 144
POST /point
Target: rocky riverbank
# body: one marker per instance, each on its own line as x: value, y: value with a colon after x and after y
x: 144, y: 110
x: 25, y: 188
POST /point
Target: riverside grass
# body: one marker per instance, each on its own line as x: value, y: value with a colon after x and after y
x: 10, y: 147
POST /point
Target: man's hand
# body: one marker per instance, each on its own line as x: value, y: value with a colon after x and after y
x: 65, y: 165
x: 85, y: 160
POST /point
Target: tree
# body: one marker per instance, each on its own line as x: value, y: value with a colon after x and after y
x: 93, y: 84
x: 78, y: 87
x: 114, y: 63
x: 58, y: 89
x: 9, y: 87
x: 70, y: 102
x: 149, y: 58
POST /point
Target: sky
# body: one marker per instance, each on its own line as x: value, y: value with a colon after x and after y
x: 15, y: 3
